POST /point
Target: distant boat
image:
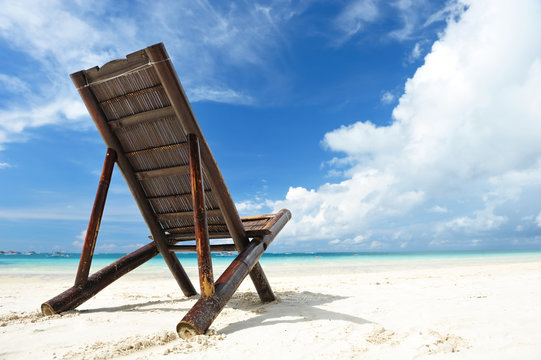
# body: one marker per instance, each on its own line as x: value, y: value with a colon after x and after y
x: 225, y: 253
x: 11, y: 252
x: 59, y: 254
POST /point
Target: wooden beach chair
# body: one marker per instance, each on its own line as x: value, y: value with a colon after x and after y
x: 144, y: 117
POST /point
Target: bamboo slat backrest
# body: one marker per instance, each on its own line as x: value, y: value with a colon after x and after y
x: 142, y: 112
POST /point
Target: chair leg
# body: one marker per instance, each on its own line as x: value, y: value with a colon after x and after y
x: 204, y: 260
x: 207, y: 308
x: 261, y: 283
x: 180, y: 275
x: 76, y: 295
x: 95, y: 219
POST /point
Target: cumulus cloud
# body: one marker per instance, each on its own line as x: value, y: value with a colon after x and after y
x: 438, y: 209
x: 80, y: 240
x: 465, y: 139
x: 245, y: 207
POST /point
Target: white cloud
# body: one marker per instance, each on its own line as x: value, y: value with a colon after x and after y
x: 416, y: 52
x: 377, y: 245
x: 414, y: 18
x: 438, y: 209
x: 538, y: 220
x: 248, y: 206
x: 58, y: 38
x: 343, y: 209
x: 229, y: 96
x: 465, y: 136
x: 15, y: 120
x: 12, y: 84
x: 107, y: 248
x: 72, y: 212
x: 4, y: 165
x: 353, y: 17
x: 409, y: 11
x: 41, y: 214
x: 483, y: 220
x: 80, y: 240
x: 204, y: 40
x: 452, y: 11
x: 387, y: 97
x: 417, y: 15
x: 82, y: 235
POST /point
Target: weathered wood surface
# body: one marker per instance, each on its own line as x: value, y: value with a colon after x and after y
x: 206, y: 309
x: 187, y: 195
x: 95, y: 219
x: 139, y: 110
x: 176, y: 215
x: 204, y: 261
x: 154, y: 149
x: 111, y: 141
x: 173, y: 88
x: 213, y: 248
x: 170, y: 171
x: 136, y: 60
x: 142, y: 117
x: 76, y: 295
x: 187, y: 120
x: 255, y: 226
x: 131, y: 94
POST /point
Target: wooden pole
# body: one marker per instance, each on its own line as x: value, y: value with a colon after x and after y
x: 193, y: 248
x: 204, y: 261
x: 206, y: 309
x: 76, y: 295
x: 110, y: 139
x: 95, y: 219
x: 172, y: 86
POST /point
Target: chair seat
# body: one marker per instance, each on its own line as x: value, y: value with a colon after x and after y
x: 255, y: 226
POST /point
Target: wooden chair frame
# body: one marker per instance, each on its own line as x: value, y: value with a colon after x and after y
x: 251, y: 235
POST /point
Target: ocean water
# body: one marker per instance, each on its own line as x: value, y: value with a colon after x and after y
x: 43, y: 264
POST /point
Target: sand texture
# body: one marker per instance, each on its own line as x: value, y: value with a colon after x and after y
x: 448, y: 310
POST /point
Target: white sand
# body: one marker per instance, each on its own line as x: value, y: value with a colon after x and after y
x: 403, y: 310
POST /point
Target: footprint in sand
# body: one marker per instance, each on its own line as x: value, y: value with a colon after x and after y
x: 380, y: 335
x: 443, y: 343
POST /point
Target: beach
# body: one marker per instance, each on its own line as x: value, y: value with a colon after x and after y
x: 350, y: 307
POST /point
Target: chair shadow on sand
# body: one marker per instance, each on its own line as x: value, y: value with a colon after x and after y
x: 144, y: 306
x: 290, y: 307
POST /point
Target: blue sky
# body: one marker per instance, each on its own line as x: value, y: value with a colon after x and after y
x: 382, y: 125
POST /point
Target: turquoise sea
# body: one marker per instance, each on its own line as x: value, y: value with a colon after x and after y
x: 67, y: 262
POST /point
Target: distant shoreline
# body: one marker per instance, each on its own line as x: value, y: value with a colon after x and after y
x: 302, y: 253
